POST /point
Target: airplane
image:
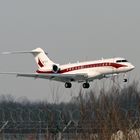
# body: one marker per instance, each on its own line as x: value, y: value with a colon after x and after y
x: 81, y: 72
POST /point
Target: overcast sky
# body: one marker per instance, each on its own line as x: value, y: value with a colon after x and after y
x: 69, y: 30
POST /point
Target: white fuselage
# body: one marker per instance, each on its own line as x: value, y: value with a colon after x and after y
x: 80, y: 71
x: 94, y: 68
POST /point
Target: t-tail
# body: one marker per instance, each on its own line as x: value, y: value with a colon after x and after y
x: 42, y: 60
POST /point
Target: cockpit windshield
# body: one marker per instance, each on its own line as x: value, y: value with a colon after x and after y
x: 121, y: 61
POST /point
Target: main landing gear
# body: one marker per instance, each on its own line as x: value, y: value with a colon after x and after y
x: 69, y: 85
x: 86, y: 85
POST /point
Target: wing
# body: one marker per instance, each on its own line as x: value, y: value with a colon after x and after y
x: 56, y: 77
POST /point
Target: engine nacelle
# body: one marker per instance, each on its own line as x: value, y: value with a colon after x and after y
x: 55, y: 68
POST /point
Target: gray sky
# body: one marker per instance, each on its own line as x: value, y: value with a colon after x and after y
x: 69, y: 30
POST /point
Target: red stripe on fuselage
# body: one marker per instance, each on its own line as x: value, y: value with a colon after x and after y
x: 114, y: 65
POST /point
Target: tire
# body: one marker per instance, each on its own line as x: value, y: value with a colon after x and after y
x: 125, y: 80
x: 86, y: 85
x: 68, y: 85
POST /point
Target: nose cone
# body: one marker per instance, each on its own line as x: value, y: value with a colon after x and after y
x: 132, y: 67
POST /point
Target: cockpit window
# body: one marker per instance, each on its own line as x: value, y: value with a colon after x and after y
x: 121, y: 61
x: 124, y: 61
x: 118, y: 61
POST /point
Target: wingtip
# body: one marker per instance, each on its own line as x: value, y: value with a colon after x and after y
x: 4, y: 53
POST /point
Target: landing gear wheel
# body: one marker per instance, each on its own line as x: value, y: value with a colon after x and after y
x: 86, y: 85
x: 68, y: 85
x: 125, y: 80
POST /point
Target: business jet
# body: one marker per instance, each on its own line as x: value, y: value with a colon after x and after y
x: 82, y: 72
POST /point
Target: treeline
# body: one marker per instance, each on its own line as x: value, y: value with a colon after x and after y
x: 113, y: 110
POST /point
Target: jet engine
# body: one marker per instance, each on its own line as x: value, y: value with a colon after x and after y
x: 55, y: 68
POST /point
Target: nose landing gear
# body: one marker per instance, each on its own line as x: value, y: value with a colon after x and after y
x: 125, y: 80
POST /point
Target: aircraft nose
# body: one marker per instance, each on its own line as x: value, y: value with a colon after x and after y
x: 132, y: 67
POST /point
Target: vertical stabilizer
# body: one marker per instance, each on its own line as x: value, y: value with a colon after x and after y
x: 41, y: 58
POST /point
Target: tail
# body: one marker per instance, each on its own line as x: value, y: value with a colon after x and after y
x: 41, y: 58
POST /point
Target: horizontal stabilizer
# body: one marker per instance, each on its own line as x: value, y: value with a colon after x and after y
x: 36, y: 51
x: 41, y: 57
x: 15, y: 52
x: 23, y: 52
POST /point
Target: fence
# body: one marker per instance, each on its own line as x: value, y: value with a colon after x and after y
x: 39, y: 124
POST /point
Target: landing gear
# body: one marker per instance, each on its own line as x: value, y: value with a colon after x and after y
x: 68, y: 85
x: 125, y: 80
x: 86, y: 85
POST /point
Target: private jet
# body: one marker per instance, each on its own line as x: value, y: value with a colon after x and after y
x: 81, y: 72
